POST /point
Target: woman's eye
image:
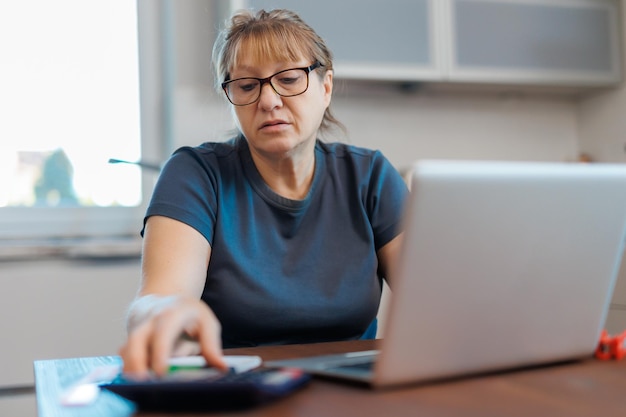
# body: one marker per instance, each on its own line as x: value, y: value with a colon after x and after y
x: 288, y: 80
x: 247, y: 86
x: 289, y: 77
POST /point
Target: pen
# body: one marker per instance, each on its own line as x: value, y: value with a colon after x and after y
x: 177, y: 368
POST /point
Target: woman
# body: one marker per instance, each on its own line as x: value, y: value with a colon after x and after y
x: 273, y: 237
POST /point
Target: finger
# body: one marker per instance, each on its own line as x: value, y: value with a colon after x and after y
x: 186, y: 347
x: 210, y: 339
x: 168, y: 327
x: 135, y: 352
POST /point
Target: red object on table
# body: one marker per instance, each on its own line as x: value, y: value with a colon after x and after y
x: 611, y: 347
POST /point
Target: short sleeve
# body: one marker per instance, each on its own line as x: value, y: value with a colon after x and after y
x: 186, y: 191
x: 385, y: 200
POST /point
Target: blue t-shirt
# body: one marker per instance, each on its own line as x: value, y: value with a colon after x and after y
x: 286, y: 271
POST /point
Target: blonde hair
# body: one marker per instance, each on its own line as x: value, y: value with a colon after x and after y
x: 277, y: 35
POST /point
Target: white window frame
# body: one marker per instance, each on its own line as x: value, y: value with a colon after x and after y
x: 36, y: 227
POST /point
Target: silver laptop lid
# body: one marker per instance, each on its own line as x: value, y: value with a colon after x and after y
x: 505, y: 264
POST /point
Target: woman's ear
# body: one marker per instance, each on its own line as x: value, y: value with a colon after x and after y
x: 328, y: 86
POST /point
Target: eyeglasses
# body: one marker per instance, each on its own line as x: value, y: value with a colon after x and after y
x: 286, y: 83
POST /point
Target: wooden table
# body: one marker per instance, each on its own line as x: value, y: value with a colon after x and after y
x: 585, y: 388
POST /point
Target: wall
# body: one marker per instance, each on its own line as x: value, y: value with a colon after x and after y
x: 601, y: 121
x: 602, y: 135
x: 424, y: 124
x: 602, y: 126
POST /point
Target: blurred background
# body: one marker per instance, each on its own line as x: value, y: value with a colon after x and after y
x: 86, y: 81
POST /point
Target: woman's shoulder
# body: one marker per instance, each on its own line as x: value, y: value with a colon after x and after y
x: 360, y: 161
x: 206, y: 157
x: 345, y: 150
x: 216, y: 149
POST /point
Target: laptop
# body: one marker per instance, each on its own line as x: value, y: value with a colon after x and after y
x: 504, y: 265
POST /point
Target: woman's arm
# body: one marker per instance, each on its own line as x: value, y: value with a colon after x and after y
x: 175, y: 258
x: 167, y: 312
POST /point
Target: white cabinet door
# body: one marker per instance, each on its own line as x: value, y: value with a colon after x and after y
x: 556, y: 42
x: 534, y: 42
x: 373, y: 39
x: 57, y: 308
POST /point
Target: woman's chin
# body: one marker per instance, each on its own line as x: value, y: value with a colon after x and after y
x: 276, y: 145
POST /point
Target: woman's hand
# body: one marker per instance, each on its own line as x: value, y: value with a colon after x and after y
x: 169, y: 318
x: 164, y: 326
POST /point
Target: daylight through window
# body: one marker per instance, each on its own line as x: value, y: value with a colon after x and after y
x: 69, y: 101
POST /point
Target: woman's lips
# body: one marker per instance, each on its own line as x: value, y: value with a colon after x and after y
x: 274, y: 125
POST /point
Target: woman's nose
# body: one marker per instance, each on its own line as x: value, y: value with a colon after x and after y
x: 269, y: 98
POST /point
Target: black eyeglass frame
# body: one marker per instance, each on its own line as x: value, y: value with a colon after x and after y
x: 267, y: 80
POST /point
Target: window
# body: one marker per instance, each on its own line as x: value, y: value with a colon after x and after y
x: 69, y: 83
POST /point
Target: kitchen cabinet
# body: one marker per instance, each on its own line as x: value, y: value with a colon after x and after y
x: 534, y: 42
x: 527, y: 42
x: 57, y: 308
x: 372, y: 39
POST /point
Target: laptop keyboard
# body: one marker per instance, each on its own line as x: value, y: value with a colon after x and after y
x: 361, y: 366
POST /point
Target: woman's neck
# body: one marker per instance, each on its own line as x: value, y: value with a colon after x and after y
x: 289, y: 175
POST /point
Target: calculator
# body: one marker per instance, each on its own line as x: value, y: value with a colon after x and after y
x: 209, y: 391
